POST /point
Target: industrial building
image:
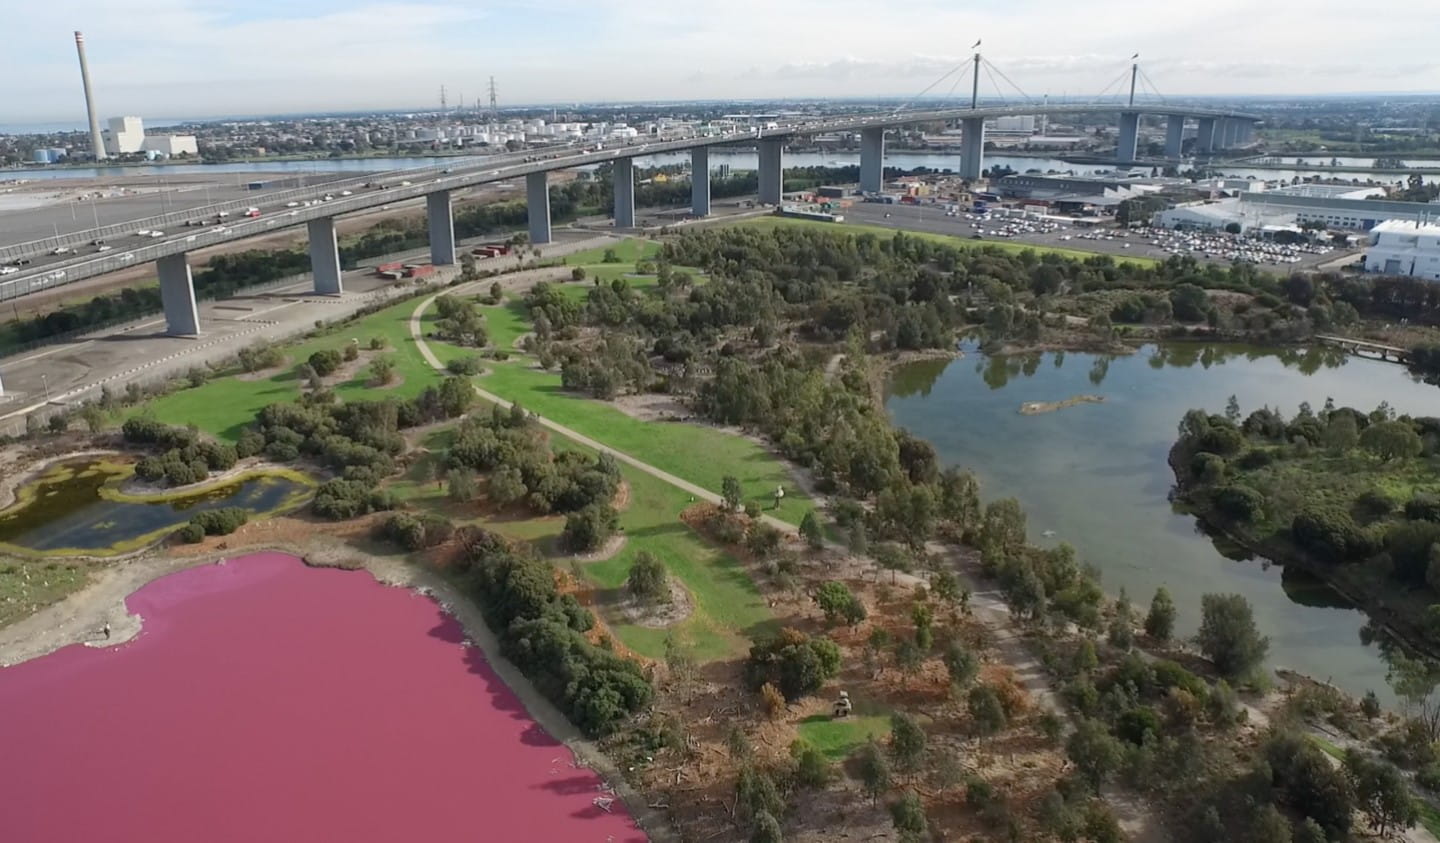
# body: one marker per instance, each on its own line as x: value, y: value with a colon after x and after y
x: 1342, y: 211
x: 1224, y: 215
x: 1036, y: 186
x: 126, y: 135
x: 170, y: 145
x: 49, y: 155
x: 1405, y: 248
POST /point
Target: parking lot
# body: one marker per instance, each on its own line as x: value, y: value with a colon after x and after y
x: 1104, y: 238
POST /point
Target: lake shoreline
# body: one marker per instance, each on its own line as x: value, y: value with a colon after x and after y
x: 1282, y: 552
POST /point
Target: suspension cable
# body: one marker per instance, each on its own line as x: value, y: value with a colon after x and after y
x: 989, y: 65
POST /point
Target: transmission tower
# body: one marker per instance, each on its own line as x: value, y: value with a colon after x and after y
x: 494, y: 108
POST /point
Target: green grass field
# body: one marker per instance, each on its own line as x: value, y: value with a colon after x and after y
x: 770, y: 223
x: 628, y: 251
x: 837, y: 738
x: 226, y: 405
x: 728, y: 611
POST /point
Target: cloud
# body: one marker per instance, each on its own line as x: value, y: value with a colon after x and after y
x: 207, y: 57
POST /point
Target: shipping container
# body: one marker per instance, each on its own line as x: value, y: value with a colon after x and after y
x: 421, y: 271
x: 393, y: 266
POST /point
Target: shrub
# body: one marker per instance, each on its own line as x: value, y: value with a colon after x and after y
x: 464, y: 366
x: 796, y: 663
x: 190, y: 533
x: 325, y: 362
x: 648, y: 580
x: 221, y: 522
x: 1376, y: 504
x: 1331, y: 534
x: 589, y: 528
x: 839, y: 603
x: 1422, y: 507
x: 1239, y: 502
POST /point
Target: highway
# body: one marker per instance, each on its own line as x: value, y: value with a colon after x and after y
x: 52, y: 262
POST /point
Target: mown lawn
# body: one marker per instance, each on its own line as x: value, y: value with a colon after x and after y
x: 836, y: 738
x: 702, y: 455
x: 728, y: 609
x: 628, y: 251
x: 225, y: 406
x: 769, y: 223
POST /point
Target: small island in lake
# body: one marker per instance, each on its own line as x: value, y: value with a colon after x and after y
x: 1035, y: 408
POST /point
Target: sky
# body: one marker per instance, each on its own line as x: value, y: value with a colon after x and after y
x: 204, y: 58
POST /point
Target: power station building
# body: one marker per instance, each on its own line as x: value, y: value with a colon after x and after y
x: 125, y: 136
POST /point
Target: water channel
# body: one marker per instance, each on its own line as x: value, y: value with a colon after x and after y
x: 77, y: 508
x: 1095, y: 475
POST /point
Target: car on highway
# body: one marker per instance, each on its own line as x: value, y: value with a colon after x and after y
x: 8, y: 270
x: 292, y: 204
x: 128, y: 256
x: 346, y: 193
x: 97, y: 242
x: 59, y: 250
x: 20, y: 261
x: 144, y: 232
x: 102, y: 248
x: 219, y: 229
x: 155, y: 234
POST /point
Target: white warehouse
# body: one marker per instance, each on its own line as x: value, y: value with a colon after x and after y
x: 1405, y: 248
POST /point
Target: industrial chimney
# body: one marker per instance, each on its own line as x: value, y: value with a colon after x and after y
x: 96, y: 140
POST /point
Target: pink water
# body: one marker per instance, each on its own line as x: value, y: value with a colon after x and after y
x: 268, y: 701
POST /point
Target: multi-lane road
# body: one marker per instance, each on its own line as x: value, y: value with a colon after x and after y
x: 78, y: 255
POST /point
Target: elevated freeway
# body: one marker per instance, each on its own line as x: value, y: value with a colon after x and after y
x: 166, y: 239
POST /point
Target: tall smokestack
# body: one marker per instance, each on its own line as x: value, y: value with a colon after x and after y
x: 96, y: 140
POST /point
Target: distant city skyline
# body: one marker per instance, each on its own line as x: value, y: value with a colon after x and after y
x: 192, y: 59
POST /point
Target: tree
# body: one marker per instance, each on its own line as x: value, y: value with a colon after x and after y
x: 94, y: 418
x: 1122, y: 629
x: 1002, y: 532
x: 507, y: 486
x: 589, y: 528
x: 908, y: 656
x: 648, y: 580
x: 1095, y: 754
x: 810, y: 529
x: 961, y: 663
x: 1382, y: 792
x: 767, y: 828
x: 907, y: 742
x: 811, y: 768
x: 461, y: 482
x: 839, y: 603
x: 1414, y: 681
x: 1160, y: 622
x: 1391, y: 440
x: 909, y: 817
x: 731, y: 492
x: 1228, y: 636
x: 987, y: 712
x: 874, y: 771
x: 756, y: 794
x: 856, y: 541
x: 325, y: 362
x: 382, y: 371
x: 1310, y: 832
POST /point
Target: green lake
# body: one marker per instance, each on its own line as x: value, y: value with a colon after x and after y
x: 76, y: 508
x: 1095, y: 474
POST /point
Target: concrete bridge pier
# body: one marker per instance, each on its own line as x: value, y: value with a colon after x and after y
x: 772, y: 171
x: 700, y: 181
x: 624, y: 181
x: 177, y: 296
x: 1247, y: 132
x: 1175, y: 137
x: 537, y: 201
x: 972, y: 147
x: 872, y: 160
x: 441, y: 221
x: 1128, y: 141
x: 325, y: 256
x: 1205, y: 135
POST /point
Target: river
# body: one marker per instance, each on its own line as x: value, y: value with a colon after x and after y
x: 1096, y: 474
x: 738, y: 159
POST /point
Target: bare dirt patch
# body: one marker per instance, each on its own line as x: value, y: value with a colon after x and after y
x: 608, y: 549
x: 657, y: 615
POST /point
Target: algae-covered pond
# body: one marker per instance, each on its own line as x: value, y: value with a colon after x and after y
x: 77, y: 507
